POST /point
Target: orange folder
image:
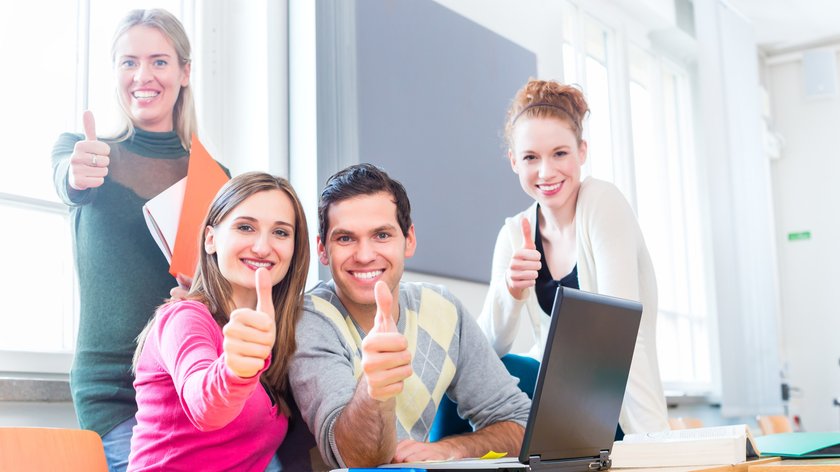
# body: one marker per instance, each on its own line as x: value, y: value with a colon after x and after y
x: 204, y: 179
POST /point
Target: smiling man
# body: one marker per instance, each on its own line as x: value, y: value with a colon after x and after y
x: 376, y: 355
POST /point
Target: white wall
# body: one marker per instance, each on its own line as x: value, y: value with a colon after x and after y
x: 806, y: 197
x: 240, y: 78
x: 38, y: 415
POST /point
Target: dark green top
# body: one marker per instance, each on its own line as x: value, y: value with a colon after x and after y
x: 123, y: 276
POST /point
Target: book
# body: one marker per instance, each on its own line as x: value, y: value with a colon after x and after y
x: 162, y: 213
x: 800, y: 445
x: 175, y: 215
x: 685, y: 447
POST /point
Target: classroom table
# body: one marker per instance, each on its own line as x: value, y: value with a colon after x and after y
x: 767, y: 464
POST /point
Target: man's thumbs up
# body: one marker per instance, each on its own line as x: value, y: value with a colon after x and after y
x: 386, y: 360
x: 250, y: 334
x: 384, y: 320
x: 524, y: 265
x: 89, y: 161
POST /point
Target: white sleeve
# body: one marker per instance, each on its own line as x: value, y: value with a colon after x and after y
x: 499, y: 318
x: 623, y: 269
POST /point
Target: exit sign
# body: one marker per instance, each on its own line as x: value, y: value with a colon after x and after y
x: 799, y: 236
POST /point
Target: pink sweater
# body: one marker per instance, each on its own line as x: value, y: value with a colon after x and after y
x: 193, y: 414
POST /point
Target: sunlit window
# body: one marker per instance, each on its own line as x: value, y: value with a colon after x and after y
x: 662, y: 167
x: 668, y: 214
x: 598, y: 95
x: 48, y: 82
x: 570, y: 39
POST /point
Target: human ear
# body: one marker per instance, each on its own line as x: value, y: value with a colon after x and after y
x: 582, y: 148
x: 410, y: 242
x: 209, y: 240
x: 512, y: 160
x: 185, y: 79
x: 322, y: 251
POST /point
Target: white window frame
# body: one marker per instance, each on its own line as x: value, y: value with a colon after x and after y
x: 623, y: 31
x: 18, y: 362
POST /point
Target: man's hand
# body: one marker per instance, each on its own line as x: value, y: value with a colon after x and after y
x: 524, y: 265
x: 409, y: 450
x: 250, y: 334
x: 386, y: 361
x: 505, y: 436
x: 89, y: 161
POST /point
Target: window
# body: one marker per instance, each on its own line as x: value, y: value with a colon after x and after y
x: 599, y: 95
x: 668, y: 214
x: 638, y: 97
x: 587, y: 47
x: 48, y: 83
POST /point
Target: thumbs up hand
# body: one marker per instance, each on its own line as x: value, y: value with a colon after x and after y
x: 524, y: 265
x: 250, y: 334
x: 386, y: 361
x: 89, y: 161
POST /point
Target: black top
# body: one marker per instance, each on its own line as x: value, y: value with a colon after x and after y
x: 546, y: 286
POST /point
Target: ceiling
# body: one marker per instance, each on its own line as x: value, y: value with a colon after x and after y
x: 784, y: 25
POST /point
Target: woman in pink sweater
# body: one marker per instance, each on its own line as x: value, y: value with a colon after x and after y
x: 211, y: 369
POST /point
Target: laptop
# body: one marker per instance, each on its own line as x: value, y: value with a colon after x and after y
x: 579, y: 390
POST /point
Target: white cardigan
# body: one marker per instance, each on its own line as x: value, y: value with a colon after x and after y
x: 612, y: 259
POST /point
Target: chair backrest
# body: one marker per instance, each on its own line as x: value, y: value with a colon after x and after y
x: 773, y: 424
x: 49, y: 449
x: 685, y: 422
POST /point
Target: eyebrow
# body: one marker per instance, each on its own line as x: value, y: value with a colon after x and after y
x: 347, y: 232
x: 251, y: 218
x: 153, y: 56
x: 528, y: 151
x: 388, y: 227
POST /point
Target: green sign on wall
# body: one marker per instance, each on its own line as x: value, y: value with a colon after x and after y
x: 800, y: 236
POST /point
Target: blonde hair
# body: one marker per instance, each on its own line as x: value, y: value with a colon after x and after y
x: 212, y: 289
x: 183, y: 113
x: 547, y: 99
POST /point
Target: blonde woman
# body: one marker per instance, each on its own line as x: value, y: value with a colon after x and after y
x: 105, y: 181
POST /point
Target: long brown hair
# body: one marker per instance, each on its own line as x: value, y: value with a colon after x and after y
x: 213, y: 290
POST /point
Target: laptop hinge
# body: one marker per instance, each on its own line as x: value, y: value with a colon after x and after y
x: 602, y: 462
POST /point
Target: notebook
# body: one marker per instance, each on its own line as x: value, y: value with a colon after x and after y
x: 579, y: 390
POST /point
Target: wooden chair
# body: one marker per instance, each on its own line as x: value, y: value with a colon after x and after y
x: 773, y: 424
x: 50, y: 449
x: 685, y: 422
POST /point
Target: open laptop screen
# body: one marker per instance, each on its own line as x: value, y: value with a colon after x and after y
x: 582, y: 376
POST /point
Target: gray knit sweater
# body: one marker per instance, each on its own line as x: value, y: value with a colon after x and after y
x: 450, y: 355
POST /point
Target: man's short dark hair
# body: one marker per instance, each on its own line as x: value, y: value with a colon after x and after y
x: 357, y: 180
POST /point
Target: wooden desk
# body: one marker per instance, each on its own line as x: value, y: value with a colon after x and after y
x: 767, y: 464
x: 799, y: 465
x: 742, y: 467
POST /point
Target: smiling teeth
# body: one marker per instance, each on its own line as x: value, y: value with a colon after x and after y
x: 548, y: 188
x: 145, y: 94
x: 367, y: 275
x: 259, y: 264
